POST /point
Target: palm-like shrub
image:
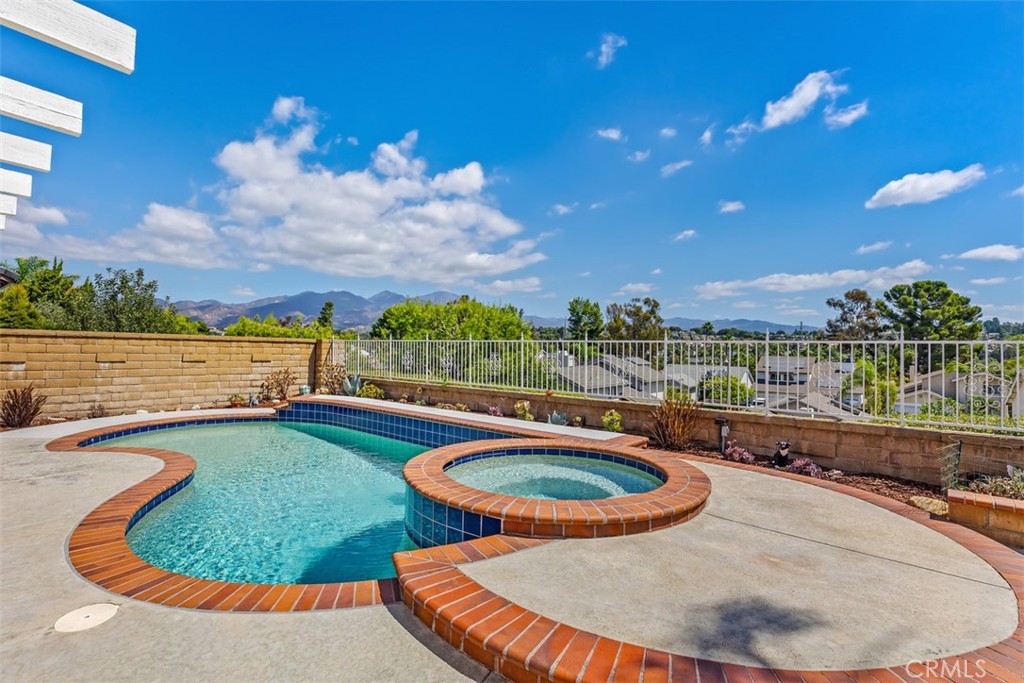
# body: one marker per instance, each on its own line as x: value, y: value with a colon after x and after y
x: 673, y: 424
x: 20, y: 406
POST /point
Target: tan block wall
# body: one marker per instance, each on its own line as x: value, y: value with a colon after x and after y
x: 903, y: 452
x: 128, y: 372
x: 1005, y: 526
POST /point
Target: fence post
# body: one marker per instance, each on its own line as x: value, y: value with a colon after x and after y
x: 469, y: 369
x: 586, y: 357
x: 903, y: 411
x: 664, y: 368
x: 767, y: 369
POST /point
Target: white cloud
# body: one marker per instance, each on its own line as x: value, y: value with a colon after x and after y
x: 673, y: 168
x: 260, y: 267
x: 667, y: 132
x: 1019, y: 192
x: 40, y: 215
x: 870, y: 248
x: 634, y: 288
x: 880, y: 278
x: 598, y: 205
x: 790, y: 310
x: 1003, y: 309
x: 585, y: 273
x: 847, y: 116
x: 798, y: 104
x: 286, y: 108
x: 611, y: 134
x: 241, y: 291
x: 707, y: 136
x: 610, y: 43
x: 639, y: 156
x: 503, y: 287
x: 816, y: 86
x: 176, y: 236
x: 352, y: 140
x: 995, y: 252
x: 685, y: 235
x: 984, y: 281
x: 730, y: 207
x: 563, y: 209
x: 746, y: 304
x: 921, y: 188
x: 656, y: 271
x: 390, y: 219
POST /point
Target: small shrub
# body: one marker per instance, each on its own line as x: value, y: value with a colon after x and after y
x: 557, y: 418
x: 277, y: 385
x: 369, y: 390
x: 1010, y: 486
x: 20, y: 406
x: 612, y: 421
x: 404, y: 398
x: 461, y: 407
x: 350, y: 385
x: 579, y: 421
x: 673, y: 424
x: 522, y: 409
x: 96, y: 410
x: 495, y: 411
x: 332, y: 378
x: 236, y: 400
x: 806, y: 467
x: 421, y: 402
x: 735, y: 453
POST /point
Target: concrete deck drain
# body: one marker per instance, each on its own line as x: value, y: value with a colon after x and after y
x: 86, y: 617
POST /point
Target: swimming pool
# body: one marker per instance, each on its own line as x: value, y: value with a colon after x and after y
x: 278, y: 502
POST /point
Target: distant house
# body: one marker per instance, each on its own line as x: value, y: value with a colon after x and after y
x: 686, y: 378
x: 784, y: 370
x: 1015, y: 396
x: 915, y: 400
x: 637, y: 372
x: 593, y: 379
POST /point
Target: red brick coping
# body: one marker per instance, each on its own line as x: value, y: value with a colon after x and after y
x: 679, y: 499
x: 99, y: 551
x: 526, y: 646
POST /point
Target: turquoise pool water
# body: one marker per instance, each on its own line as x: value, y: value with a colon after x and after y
x: 278, y: 503
x: 553, y: 477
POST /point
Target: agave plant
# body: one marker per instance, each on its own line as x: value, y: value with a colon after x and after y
x: 557, y: 418
x: 351, y: 385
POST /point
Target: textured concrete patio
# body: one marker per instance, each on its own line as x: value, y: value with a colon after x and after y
x: 773, y: 573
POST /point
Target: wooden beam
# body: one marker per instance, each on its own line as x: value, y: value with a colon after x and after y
x: 12, y: 182
x: 39, y: 107
x: 20, y: 151
x: 3, y: 222
x: 8, y: 205
x: 75, y: 28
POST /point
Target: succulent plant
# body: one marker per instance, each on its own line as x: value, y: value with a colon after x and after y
x: 351, y: 385
x: 557, y: 418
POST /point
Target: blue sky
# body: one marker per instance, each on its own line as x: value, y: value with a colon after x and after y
x: 731, y: 159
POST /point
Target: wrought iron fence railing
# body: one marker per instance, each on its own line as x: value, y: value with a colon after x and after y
x: 976, y: 385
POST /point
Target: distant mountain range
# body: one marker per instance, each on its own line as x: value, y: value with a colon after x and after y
x: 352, y: 310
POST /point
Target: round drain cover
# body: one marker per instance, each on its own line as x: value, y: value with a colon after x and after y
x: 85, y: 617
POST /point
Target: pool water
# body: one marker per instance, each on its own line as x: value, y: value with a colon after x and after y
x: 278, y: 502
x: 553, y: 477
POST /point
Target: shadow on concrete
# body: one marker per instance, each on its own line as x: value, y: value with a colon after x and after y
x: 746, y: 631
x: 470, y: 668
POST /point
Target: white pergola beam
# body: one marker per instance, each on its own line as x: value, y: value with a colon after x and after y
x: 39, y: 107
x: 20, y: 151
x: 3, y: 222
x: 18, y: 184
x: 8, y: 205
x: 75, y: 28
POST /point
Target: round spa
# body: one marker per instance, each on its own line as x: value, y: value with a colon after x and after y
x: 546, y: 488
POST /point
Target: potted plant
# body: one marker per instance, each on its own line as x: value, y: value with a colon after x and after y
x: 236, y: 400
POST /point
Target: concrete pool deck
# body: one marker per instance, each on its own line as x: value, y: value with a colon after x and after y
x: 797, y: 584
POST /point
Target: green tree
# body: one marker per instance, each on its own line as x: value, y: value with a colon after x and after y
x: 26, y: 266
x: 858, y: 317
x: 930, y: 310
x: 50, y: 284
x: 460, y: 319
x: 637, y: 319
x: 127, y: 302
x: 326, y: 317
x: 880, y: 388
x: 16, y: 311
x: 585, y: 321
x: 271, y: 327
x: 725, y: 390
x: 707, y: 329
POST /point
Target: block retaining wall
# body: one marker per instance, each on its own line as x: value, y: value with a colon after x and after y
x: 128, y: 372
x: 1000, y: 519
